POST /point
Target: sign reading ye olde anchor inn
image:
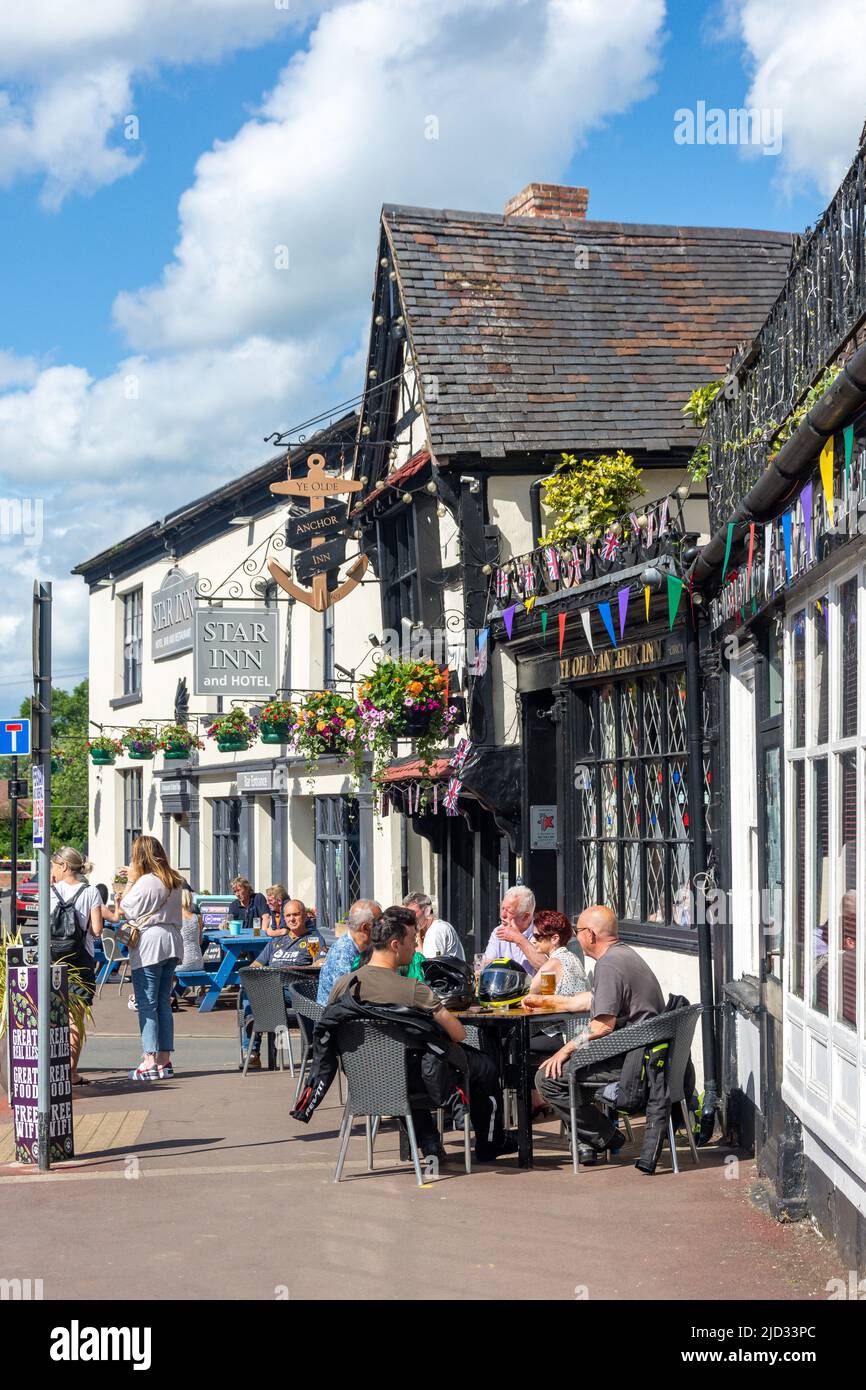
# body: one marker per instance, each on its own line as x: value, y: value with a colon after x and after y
x: 235, y: 652
x: 171, y: 615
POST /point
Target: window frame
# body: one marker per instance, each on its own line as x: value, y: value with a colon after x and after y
x: 399, y: 586
x: 133, y: 808
x: 225, y: 814
x: 132, y: 636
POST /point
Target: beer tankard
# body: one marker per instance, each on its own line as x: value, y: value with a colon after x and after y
x: 257, y: 926
x: 313, y: 948
x: 547, y: 987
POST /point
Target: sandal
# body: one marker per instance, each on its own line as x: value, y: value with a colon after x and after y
x: 144, y: 1074
x: 81, y: 1081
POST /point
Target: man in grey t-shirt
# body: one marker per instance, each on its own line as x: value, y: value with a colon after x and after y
x: 624, y: 991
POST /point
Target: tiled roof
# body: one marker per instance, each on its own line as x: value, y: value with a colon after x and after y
x: 413, y: 770
x: 542, y: 334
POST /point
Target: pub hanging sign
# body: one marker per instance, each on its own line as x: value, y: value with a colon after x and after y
x: 236, y: 651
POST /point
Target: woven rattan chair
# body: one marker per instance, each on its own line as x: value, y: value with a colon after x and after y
x: 676, y: 1027
x: 264, y: 989
x: 303, y: 991
x: 374, y: 1064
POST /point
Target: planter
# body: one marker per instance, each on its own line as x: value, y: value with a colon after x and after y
x: 139, y: 757
x: 232, y: 745
x: 415, y: 723
x: 100, y: 758
x: 176, y: 751
x: 273, y: 733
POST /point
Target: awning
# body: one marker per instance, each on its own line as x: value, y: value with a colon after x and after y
x: 413, y: 770
x: 400, y: 475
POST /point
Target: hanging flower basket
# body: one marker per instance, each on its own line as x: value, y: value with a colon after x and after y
x: 104, y: 750
x: 405, y: 699
x: 327, y: 723
x: 275, y: 722
x: 233, y: 731
x: 140, y: 743
x: 177, y: 742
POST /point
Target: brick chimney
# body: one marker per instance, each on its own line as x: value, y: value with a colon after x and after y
x: 549, y: 200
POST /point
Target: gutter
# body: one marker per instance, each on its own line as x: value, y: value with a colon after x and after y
x: 795, y: 461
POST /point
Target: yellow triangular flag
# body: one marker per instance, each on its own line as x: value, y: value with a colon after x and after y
x: 527, y: 603
x: 827, y: 476
x: 646, y: 599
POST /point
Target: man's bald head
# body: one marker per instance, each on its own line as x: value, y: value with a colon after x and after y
x: 602, y: 923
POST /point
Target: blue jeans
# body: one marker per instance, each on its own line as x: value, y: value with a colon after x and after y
x: 152, y: 987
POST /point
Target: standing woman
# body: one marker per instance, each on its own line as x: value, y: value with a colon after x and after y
x: 69, y: 885
x: 152, y: 902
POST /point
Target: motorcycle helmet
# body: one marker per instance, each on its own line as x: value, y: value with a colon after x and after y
x: 503, y: 982
x: 451, y: 979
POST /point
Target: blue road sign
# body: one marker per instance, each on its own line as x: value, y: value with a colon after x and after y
x: 14, y: 736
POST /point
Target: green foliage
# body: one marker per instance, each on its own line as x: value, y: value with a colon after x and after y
x: 697, y: 409
x: 589, y: 496
x: 776, y: 432
x: 69, y: 795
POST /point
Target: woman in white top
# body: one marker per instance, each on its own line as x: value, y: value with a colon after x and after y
x: 69, y: 885
x: 551, y: 933
x: 152, y: 902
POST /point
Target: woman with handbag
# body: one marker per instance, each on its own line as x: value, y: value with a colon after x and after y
x: 153, y: 912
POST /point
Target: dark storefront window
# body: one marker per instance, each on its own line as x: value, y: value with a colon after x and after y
x: 133, y: 809
x: 399, y: 568
x: 634, y: 838
x: 338, y: 859
x: 226, y: 842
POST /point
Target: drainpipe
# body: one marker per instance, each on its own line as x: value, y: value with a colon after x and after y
x: 696, y: 804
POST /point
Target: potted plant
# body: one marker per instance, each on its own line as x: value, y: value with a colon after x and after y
x: 405, y: 699
x: 103, y: 750
x: 327, y: 723
x: 275, y: 721
x: 233, y: 731
x: 176, y: 741
x: 140, y: 743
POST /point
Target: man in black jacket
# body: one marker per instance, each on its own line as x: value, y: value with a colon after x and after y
x: 378, y: 985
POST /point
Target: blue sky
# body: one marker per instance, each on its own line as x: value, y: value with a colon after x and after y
x: 147, y: 339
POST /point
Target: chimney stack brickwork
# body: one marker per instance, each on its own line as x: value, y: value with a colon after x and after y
x: 549, y: 200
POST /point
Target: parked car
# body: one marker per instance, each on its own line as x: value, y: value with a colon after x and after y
x: 27, y: 902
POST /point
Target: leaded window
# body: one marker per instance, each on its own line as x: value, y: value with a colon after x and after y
x: 226, y: 813
x: 633, y: 821
x: 338, y: 859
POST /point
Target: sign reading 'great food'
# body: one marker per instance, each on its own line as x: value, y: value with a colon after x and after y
x: 235, y: 652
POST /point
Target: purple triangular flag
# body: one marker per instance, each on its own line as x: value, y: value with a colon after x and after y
x: 624, y: 596
x: 806, y: 504
x: 508, y: 618
x: 604, y: 610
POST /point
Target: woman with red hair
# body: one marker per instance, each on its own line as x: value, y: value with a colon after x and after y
x: 552, y: 932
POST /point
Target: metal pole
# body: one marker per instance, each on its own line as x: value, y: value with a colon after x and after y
x: 42, y: 756
x: 696, y: 807
x: 13, y: 877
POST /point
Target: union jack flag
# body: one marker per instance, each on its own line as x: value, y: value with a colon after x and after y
x: 501, y: 583
x: 649, y: 527
x: 461, y: 753
x: 576, y: 567
x: 450, y: 798
x: 552, y: 558
x: 528, y: 580
x: 611, y: 547
x: 663, y: 520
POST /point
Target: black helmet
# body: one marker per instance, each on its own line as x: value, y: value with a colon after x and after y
x: 503, y: 982
x: 451, y: 979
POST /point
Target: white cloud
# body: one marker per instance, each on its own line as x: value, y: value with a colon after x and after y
x: 17, y: 371
x: 803, y: 62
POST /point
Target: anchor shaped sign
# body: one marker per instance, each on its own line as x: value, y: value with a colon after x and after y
x: 317, y: 486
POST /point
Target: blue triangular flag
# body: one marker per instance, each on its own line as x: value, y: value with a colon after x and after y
x: 607, y: 619
x: 787, y: 520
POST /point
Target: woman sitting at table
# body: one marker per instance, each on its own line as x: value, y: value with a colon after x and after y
x: 552, y: 932
x: 273, y: 924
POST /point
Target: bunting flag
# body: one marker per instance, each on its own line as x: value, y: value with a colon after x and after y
x: 508, y: 618
x: 727, y: 550
x: 768, y: 550
x: 544, y: 617
x: 611, y: 547
x: 624, y: 595
x: 646, y: 599
x: 501, y: 583
x: 587, y: 628
x: 751, y: 555
x: 632, y: 516
x: 529, y: 579
x: 460, y: 754
x: 562, y: 618
x: 848, y: 439
x: 675, y: 594
x: 552, y: 559
x: 649, y: 527
x: 604, y: 610
x: 587, y: 558
x: 482, y: 638
x: 806, y: 504
x: 826, y: 465
x: 787, y: 519
x: 576, y: 566
x: 449, y: 800
x: 663, y: 519
x: 528, y: 604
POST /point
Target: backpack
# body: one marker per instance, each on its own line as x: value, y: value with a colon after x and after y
x: 67, y: 935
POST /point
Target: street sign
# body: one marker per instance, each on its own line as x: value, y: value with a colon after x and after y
x: 300, y: 530
x: 320, y: 559
x: 17, y: 788
x: 14, y: 737
x: 38, y: 806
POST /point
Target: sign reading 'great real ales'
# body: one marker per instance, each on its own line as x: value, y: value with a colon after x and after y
x: 235, y: 652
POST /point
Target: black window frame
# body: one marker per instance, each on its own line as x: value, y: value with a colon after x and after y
x: 132, y: 640
x: 769, y: 731
x: 338, y: 858
x: 133, y: 808
x: 398, y: 561
x: 225, y: 842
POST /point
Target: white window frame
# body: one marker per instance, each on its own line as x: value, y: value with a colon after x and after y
x: 824, y: 1074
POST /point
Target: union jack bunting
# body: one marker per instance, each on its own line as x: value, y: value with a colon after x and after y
x: 650, y: 518
x: 552, y: 558
x: 611, y: 547
x: 663, y: 521
x: 528, y: 580
x: 461, y: 753
x: 501, y: 583
x: 449, y: 800
x: 576, y: 567
x: 632, y: 516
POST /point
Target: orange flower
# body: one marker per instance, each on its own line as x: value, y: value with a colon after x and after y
x: 321, y: 725
x: 350, y: 723
x: 414, y: 687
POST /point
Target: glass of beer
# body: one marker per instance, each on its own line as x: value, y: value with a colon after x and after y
x: 547, y: 987
x: 313, y: 948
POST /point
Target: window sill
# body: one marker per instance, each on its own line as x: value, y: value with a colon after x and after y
x: 123, y: 701
x: 659, y: 936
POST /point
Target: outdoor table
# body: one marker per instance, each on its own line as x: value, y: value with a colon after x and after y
x: 226, y: 972
x: 511, y: 1028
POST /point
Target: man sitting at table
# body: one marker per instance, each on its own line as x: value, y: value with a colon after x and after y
x: 280, y: 951
x: 343, y: 954
x: 624, y: 991
x: 248, y: 904
x: 392, y: 938
x: 512, y: 939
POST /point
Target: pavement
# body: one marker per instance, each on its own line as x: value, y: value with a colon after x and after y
x: 203, y: 1187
